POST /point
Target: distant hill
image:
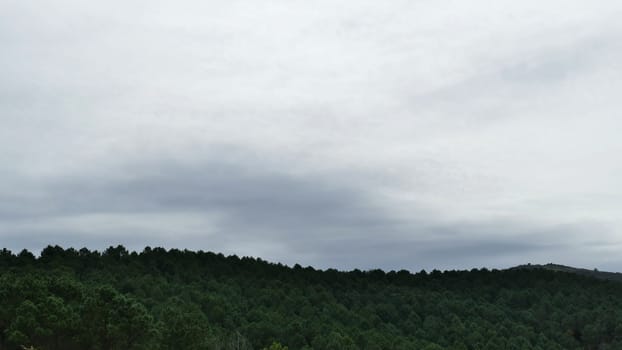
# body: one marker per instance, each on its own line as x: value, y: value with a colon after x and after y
x: 611, y: 276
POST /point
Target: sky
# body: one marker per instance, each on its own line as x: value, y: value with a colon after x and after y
x: 404, y: 134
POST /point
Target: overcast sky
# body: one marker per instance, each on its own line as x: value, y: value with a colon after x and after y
x: 350, y: 134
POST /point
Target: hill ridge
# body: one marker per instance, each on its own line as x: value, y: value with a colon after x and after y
x: 603, y: 275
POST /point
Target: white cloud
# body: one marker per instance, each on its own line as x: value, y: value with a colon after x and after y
x: 476, y: 112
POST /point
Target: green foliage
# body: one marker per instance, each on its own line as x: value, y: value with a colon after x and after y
x: 183, y: 325
x: 159, y: 299
x: 276, y: 346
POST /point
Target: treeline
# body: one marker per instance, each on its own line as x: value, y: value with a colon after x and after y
x: 158, y: 299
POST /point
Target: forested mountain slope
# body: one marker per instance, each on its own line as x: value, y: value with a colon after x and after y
x: 613, y: 276
x: 159, y: 299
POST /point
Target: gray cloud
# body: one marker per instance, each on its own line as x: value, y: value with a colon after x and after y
x: 357, y: 135
x: 239, y: 207
x: 242, y: 201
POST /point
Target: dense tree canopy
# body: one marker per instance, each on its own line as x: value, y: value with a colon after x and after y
x: 158, y: 299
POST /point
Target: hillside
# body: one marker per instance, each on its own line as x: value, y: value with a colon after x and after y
x: 171, y: 299
x: 612, y: 276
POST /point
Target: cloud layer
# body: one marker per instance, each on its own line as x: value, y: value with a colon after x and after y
x: 351, y: 134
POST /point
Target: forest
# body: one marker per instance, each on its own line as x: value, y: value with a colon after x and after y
x: 178, y: 299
